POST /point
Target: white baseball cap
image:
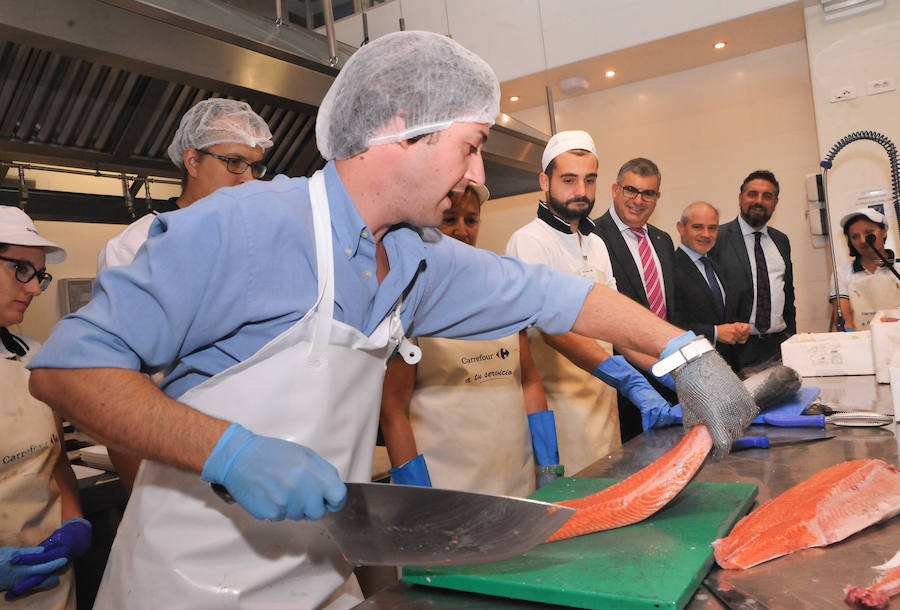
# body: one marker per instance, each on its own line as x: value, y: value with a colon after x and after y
x: 565, y: 141
x: 870, y: 213
x: 16, y: 229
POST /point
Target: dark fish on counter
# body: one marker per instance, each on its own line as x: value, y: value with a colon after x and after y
x: 772, y: 385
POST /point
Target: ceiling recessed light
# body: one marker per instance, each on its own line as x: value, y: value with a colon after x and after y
x: 610, y: 73
x: 514, y: 98
x: 719, y: 45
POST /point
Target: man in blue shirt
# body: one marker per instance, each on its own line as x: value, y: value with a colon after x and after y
x: 274, y: 305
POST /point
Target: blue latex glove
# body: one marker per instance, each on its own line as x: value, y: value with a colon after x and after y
x: 546, y: 451
x: 677, y: 343
x: 414, y: 472
x: 272, y: 478
x: 71, y: 541
x: 17, y: 577
x: 616, y: 372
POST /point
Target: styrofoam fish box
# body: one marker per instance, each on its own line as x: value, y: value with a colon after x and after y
x: 895, y: 384
x: 828, y: 354
x: 885, y: 330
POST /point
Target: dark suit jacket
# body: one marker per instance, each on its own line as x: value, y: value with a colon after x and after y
x: 695, y: 305
x: 628, y: 277
x: 730, y: 253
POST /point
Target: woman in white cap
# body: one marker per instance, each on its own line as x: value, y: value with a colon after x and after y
x: 460, y: 418
x: 41, y: 529
x: 864, y: 284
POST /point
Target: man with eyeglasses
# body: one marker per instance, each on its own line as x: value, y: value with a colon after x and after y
x: 562, y: 238
x: 757, y: 259
x: 218, y: 143
x: 275, y: 306
x: 643, y: 261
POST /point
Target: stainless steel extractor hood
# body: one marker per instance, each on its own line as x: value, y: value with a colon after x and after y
x: 102, y: 85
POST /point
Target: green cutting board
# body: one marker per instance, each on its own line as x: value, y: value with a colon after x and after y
x: 657, y: 563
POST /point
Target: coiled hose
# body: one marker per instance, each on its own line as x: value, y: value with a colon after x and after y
x: 826, y: 163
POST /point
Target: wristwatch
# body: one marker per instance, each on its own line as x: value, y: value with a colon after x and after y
x: 686, y: 353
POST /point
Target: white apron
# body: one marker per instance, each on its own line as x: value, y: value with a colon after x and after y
x: 181, y: 546
x: 584, y: 407
x: 29, y: 497
x: 468, y: 416
x: 871, y: 294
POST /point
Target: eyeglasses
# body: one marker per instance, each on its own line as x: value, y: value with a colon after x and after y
x: 25, y: 272
x: 632, y: 193
x: 238, y: 166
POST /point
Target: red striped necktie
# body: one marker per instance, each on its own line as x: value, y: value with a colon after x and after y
x: 651, y: 274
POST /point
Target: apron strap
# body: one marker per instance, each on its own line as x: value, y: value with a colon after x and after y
x: 324, y: 269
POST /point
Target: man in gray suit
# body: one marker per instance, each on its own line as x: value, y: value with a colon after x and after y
x: 747, y: 245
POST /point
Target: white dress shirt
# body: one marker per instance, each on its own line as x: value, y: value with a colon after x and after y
x: 776, y: 266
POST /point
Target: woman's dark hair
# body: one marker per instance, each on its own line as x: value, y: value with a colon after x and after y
x: 849, y: 223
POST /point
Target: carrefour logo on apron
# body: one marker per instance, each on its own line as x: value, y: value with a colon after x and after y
x: 485, y: 367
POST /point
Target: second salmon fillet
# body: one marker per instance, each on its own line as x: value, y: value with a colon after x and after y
x: 827, y: 507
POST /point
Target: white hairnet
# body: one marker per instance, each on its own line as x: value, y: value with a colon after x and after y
x: 215, y: 121
x: 426, y: 80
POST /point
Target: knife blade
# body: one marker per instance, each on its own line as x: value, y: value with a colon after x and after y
x: 385, y: 524
x: 764, y: 442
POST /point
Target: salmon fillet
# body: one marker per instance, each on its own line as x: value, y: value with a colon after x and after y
x: 640, y: 495
x: 879, y: 594
x: 829, y: 506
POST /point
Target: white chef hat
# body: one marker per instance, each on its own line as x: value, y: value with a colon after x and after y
x: 424, y: 80
x: 17, y: 229
x: 216, y: 121
x: 565, y: 141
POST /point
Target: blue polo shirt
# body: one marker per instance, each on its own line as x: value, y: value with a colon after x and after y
x: 218, y: 280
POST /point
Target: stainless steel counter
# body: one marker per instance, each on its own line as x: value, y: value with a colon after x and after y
x: 812, y: 578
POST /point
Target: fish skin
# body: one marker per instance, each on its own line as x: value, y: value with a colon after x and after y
x: 640, y: 495
x: 772, y: 385
x: 829, y: 506
x: 878, y: 595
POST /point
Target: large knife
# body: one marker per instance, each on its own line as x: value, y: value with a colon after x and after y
x: 406, y: 525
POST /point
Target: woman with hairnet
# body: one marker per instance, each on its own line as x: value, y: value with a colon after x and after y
x: 468, y: 414
x: 41, y: 525
x: 865, y: 284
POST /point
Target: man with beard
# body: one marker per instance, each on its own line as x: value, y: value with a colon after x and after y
x: 643, y: 260
x: 757, y: 258
x: 562, y: 238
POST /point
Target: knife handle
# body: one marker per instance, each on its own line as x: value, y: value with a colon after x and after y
x: 222, y: 493
x: 795, y: 421
x: 750, y: 442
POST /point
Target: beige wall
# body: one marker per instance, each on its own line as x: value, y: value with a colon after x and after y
x: 852, y: 52
x: 706, y: 128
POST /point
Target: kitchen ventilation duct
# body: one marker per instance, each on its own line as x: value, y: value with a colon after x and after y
x: 102, y: 85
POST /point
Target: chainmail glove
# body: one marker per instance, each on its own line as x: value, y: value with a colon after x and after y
x: 711, y: 394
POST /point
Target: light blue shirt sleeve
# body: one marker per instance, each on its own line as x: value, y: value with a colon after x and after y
x: 217, y: 281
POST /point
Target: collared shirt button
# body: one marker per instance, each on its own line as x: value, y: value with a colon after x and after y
x: 348, y: 251
x: 365, y: 234
x: 367, y: 273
